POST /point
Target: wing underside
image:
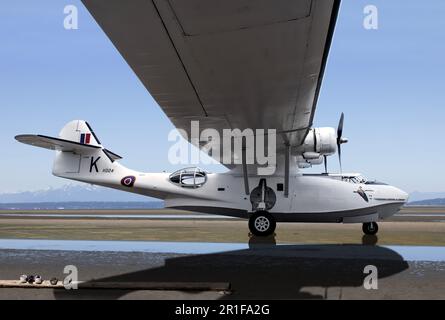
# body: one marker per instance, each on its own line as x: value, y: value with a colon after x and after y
x: 229, y: 64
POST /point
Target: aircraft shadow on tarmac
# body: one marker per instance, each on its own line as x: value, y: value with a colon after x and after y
x: 267, y: 271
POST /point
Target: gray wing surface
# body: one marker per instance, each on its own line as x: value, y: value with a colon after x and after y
x: 230, y: 64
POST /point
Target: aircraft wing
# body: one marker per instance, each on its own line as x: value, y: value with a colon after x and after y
x: 230, y: 64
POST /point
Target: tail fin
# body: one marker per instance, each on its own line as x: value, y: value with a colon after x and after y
x: 79, y: 131
x: 80, y: 155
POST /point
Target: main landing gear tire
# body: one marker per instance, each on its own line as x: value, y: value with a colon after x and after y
x: 262, y: 224
x: 370, y: 228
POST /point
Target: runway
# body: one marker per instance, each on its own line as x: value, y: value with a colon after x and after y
x: 116, y: 216
x: 303, y: 261
x: 173, y: 225
x: 421, y: 214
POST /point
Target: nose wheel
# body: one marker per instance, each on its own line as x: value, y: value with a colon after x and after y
x: 370, y: 228
x: 262, y: 224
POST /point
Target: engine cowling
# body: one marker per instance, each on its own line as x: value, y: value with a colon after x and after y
x: 321, y: 142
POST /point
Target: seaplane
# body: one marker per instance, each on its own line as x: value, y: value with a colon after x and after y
x: 250, y: 71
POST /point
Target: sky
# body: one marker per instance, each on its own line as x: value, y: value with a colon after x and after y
x: 388, y: 82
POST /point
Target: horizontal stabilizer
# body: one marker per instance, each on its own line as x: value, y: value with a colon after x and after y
x: 58, y: 144
x: 77, y: 137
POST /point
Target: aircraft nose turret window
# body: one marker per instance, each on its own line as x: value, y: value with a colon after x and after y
x: 189, y: 177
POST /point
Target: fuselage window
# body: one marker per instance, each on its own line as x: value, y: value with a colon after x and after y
x: 189, y: 177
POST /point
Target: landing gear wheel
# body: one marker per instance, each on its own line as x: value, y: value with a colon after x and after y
x: 262, y: 224
x: 370, y: 228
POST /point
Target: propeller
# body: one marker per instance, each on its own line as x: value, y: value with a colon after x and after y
x: 325, y: 164
x: 340, y: 139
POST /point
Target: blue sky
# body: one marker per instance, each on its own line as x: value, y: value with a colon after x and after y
x: 389, y: 82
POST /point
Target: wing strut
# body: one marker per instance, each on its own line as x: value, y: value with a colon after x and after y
x: 286, y: 171
x: 245, y: 174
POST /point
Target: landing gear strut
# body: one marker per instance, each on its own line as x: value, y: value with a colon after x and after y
x: 262, y: 224
x: 370, y: 228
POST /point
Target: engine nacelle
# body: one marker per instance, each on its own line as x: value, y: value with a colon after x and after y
x: 307, y: 163
x: 319, y: 142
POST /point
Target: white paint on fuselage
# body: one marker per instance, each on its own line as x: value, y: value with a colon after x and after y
x: 311, y: 198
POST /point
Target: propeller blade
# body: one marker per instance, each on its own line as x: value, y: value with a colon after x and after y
x: 340, y: 139
x: 340, y: 127
x: 326, y: 164
x: 339, y: 157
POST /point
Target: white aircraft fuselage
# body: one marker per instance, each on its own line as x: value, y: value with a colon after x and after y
x: 337, y: 198
x: 311, y: 198
x: 270, y: 80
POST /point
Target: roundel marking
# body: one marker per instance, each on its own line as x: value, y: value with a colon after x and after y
x: 128, y: 181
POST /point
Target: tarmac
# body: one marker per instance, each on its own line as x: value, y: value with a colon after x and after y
x: 302, y: 261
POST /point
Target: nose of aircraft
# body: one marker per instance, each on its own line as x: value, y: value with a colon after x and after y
x: 402, y: 195
x: 405, y: 195
x: 392, y: 193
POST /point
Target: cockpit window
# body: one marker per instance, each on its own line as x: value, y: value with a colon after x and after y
x: 357, y: 179
x: 376, y: 183
x: 354, y: 178
x: 189, y: 177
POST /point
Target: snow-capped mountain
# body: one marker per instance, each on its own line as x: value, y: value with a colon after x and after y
x: 73, y: 193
